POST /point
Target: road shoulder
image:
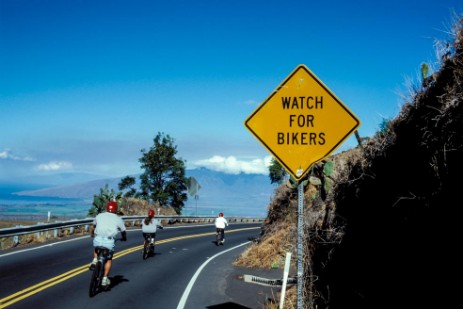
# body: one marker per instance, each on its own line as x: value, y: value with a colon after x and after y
x: 222, y: 285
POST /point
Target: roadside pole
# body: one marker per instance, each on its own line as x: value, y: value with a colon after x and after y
x: 300, y: 238
x: 285, y: 279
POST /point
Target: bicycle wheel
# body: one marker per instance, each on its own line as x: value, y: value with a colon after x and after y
x: 146, y: 251
x: 95, y: 280
x: 152, y: 249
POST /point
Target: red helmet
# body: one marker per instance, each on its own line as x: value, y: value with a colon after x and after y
x: 150, y: 213
x: 221, y: 214
x: 111, y: 206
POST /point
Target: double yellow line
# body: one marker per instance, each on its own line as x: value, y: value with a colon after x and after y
x: 14, y: 298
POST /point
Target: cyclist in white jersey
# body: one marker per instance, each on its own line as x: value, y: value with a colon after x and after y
x: 149, y: 226
x: 220, y: 223
x: 105, y: 227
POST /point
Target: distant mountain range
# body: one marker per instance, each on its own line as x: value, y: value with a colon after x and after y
x: 242, y: 194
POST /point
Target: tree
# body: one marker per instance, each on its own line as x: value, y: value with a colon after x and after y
x: 277, y: 173
x: 163, y: 180
x: 100, y: 201
x: 127, y: 183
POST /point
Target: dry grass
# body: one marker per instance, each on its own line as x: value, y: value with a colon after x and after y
x: 270, y: 252
x: 137, y: 207
x: 279, y: 237
x: 290, y: 299
x: 279, y: 234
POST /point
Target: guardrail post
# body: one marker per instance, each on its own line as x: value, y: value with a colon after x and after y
x: 55, y: 233
x: 71, y: 230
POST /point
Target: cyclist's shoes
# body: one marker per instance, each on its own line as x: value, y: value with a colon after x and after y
x: 105, y: 281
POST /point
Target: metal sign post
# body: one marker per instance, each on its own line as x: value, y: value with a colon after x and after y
x: 300, y: 238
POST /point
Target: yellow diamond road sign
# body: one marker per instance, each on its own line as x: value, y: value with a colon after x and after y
x: 301, y: 122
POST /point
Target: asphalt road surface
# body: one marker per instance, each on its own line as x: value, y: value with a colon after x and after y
x: 56, y: 275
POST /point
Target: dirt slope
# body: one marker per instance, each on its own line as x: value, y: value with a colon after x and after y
x: 399, y: 210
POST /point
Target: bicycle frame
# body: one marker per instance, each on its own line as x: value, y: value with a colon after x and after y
x: 98, y: 271
x: 148, y: 246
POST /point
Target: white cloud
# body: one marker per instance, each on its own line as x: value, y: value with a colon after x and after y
x: 54, y: 166
x: 6, y: 154
x: 231, y: 165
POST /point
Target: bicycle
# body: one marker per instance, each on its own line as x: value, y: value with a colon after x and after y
x: 219, y: 237
x: 148, y: 247
x: 98, y: 271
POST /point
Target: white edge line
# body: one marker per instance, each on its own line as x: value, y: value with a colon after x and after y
x: 43, y: 246
x: 186, y: 293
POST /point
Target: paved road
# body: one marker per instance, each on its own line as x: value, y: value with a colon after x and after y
x: 227, y: 288
x: 56, y: 275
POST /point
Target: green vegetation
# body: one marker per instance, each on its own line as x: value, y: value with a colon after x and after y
x: 127, y: 183
x: 163, y: 182
x: 164, y: 179
x: 100, y: 200
x: 277, y: 173
x: 424, y: 71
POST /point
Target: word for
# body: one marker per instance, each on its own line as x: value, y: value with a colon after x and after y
x: 301, y: 120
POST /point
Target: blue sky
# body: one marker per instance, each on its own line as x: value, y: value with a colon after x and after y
x: 85, y: 85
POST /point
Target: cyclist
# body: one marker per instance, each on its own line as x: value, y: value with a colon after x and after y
x: 220, y: 223
x: 149, y: 225
x: 105, y: 227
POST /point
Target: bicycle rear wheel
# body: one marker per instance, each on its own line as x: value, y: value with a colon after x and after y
x: 146, y: 251
x: 152, y: 249
x: 95, y: 280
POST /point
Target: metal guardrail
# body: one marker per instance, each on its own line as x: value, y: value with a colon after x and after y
x: 43, y: 227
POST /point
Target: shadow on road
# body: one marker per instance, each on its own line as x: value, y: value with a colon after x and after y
x: 116, y: 280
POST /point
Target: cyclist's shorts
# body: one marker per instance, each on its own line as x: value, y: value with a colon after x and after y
x: 219, y: 230
x: 147, y: 236
x: 100, y: 241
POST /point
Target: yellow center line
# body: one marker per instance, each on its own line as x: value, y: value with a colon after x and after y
x: 34, y: 289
